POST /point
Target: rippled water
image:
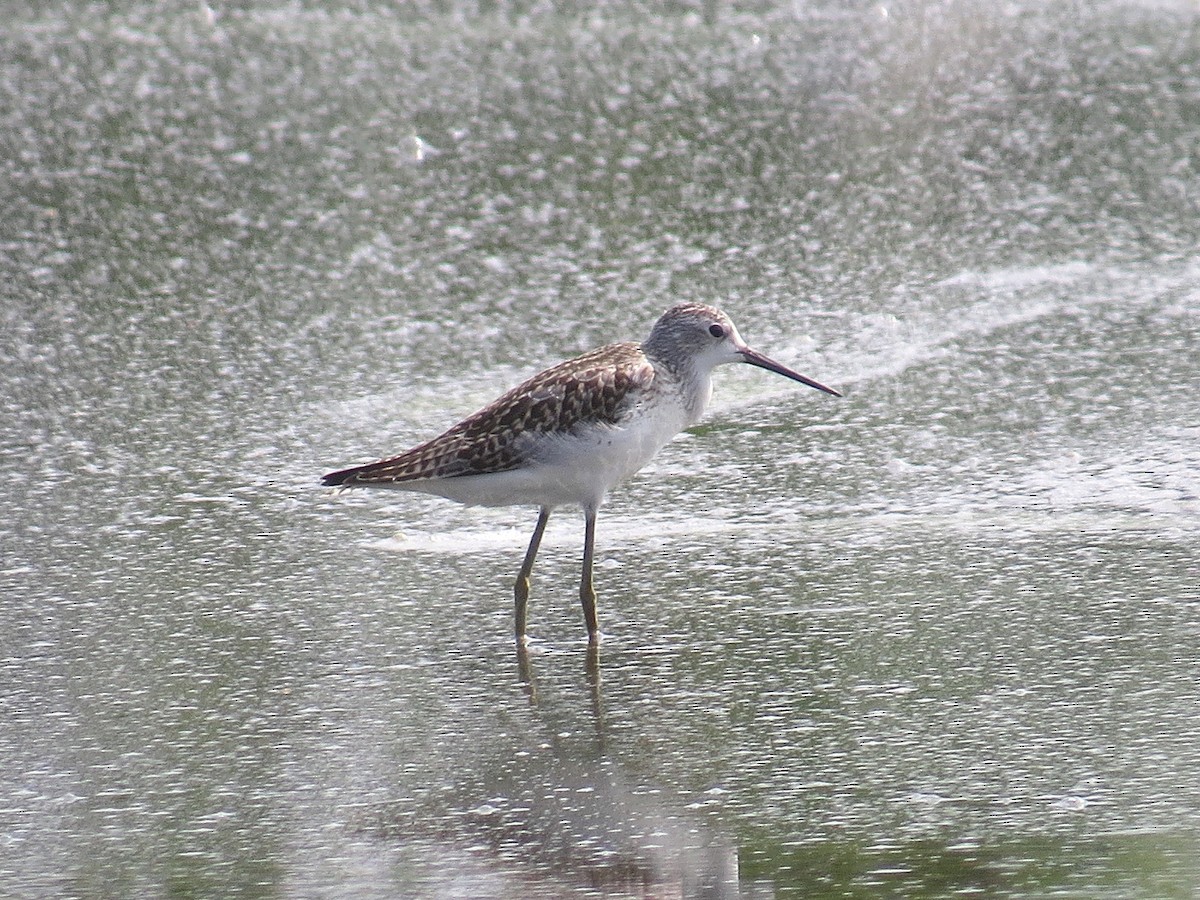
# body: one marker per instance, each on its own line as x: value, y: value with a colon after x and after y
x: 937, y: 637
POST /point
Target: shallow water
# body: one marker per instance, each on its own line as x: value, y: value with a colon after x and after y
x: 936, y: 637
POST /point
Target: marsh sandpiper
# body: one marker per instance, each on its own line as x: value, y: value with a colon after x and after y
x: 569, y: 434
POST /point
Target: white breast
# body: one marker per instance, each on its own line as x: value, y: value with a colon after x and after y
x: 577, y: 468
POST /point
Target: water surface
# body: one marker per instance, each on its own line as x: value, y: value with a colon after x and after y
x: 938, y: 637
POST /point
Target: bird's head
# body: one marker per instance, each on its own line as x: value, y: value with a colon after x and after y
x: 695, y: 337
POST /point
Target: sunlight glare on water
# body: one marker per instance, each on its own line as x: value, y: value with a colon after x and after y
x: 935, y: 637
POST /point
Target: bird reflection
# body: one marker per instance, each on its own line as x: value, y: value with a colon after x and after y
x: 571, y: 810
x: 592, y: 670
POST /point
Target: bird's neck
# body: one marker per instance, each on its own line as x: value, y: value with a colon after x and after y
x: 696, y: 395
x: 692, y: 386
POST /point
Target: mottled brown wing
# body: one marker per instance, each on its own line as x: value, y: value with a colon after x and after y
x: 593, y: 388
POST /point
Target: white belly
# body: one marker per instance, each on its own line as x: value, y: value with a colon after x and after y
x: 577, y: 468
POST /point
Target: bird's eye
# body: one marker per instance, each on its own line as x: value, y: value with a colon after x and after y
x: 716, y: 330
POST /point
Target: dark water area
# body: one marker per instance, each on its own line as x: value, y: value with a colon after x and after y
x: 936, y: 638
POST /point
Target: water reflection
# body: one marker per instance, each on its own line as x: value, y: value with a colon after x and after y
x: 943, y: 641
x: 563, y: 816
x: 591, y: 667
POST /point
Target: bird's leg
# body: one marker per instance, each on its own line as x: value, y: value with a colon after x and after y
x: 587, y: 591
x: 521, y: 588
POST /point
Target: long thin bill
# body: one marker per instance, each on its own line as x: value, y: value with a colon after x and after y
x: 765, y: 362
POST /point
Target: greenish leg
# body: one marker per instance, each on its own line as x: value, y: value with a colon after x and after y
x: 587, y: 591
x: 521, y: 588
